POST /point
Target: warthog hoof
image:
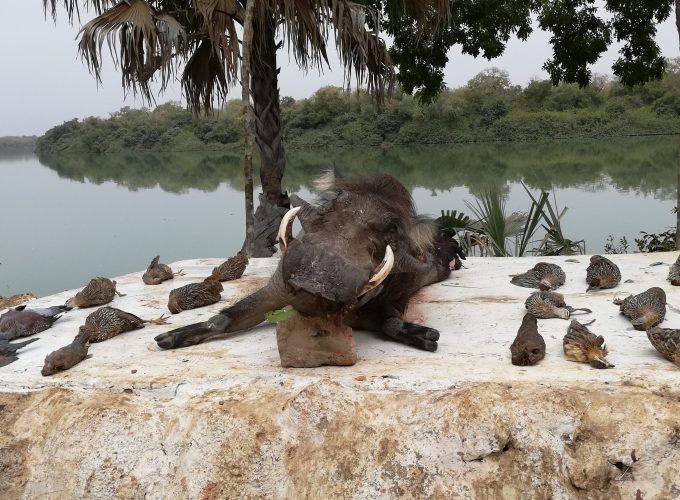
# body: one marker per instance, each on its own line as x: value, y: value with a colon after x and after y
x: 421, y: 337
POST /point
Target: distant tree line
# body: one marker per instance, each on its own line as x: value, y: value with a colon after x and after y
x: 17, y: 145
x: 487, y: 108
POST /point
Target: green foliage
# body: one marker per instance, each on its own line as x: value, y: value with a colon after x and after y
x: 487, y: 108
x: 17, y: 145
x: 662, y: 242
x: 494, y: 225
x: 169, y: 127
x: 493, y: 230
x: 580, y: 33
x: 612, y: 248
x: 451, y: 222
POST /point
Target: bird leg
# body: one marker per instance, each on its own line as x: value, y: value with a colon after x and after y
x: 572, y: 310
x: 163, y: 320
x: 179, y: 273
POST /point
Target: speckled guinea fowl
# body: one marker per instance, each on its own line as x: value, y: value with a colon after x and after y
x: 23, y: 323
x: 107, y: 322
x: 602, y: 273
x: 582, y: 345
x: 97, y: 292
x: 157, y: 272
x: 544, y: 276
x: 231, y: 269
x: 8, y: 350
x: 545, y: 305
x: 194, y: 295
x: 67, y: 356
x: 674, y: 273
x: 646, y: 309
x: 667, y: 342
x: 528, y: 348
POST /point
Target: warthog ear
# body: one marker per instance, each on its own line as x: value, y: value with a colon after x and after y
x: 422, y: 233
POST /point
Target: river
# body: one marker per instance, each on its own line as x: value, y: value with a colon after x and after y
x: 68, y: 219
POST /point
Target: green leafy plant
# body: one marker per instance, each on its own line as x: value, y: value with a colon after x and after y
x: 611, y: 248
x: 651, y: 242
x: 495, y: 227
x: 493, y: 230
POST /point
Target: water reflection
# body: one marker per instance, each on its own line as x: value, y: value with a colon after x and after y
x: 76, y: 218
x: 644, y: 164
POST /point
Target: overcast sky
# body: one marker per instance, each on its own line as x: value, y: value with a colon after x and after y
x: 44, y: 83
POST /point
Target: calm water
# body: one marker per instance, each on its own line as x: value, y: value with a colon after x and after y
x: 66, y: 220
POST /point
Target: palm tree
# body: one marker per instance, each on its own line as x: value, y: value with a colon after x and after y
x: 153, y: 40
x: 248, y: 133
x: 677, y: 194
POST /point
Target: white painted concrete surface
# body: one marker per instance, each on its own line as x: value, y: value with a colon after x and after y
x: 476, y: 310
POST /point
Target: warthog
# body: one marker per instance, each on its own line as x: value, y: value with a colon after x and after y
x: 362, y: 253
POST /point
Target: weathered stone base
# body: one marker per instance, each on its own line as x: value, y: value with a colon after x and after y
x: 307, y: 342
x: 322, y: 439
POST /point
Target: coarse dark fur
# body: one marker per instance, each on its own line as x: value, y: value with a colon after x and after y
x: 325, y: 268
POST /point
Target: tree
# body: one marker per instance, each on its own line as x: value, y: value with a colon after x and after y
x: 248, y: 132
x: 580, y: 33
x: 677, y: 199
x: 158, y: 38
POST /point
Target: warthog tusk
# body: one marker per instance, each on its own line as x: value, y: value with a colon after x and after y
x: 286, y: 228
x: 381, y: 271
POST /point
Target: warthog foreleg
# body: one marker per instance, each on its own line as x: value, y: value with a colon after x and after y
x: 422, y: 337
x: 246, y: 313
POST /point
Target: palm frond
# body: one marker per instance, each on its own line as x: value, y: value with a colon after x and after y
x: 147, y: 40
x: 307, y: 27
x: 533, y: 219
x: 204, y: 77
x: 72, y: 7
x: 362, y: 52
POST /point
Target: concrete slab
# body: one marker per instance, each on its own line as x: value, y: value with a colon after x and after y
x: 477, y: 311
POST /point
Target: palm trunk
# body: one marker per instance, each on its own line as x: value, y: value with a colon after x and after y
x: 248, y: 124
x: 273, y: 203
x: 677, y: 199
x: 677, y: 196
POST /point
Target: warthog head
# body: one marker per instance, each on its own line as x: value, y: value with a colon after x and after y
x: 349, y: 241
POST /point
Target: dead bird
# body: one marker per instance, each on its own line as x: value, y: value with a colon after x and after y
x: 8, y: 350
x: 544, y: 276
x: 528, y: 348
x: 646, y: 309
x: 545, y: 305
x: 97, y: 292
x: 231, y: 269
x: 674, y: 273
x: 194, y: 295
x: 23, y: 323
x: 582, y: 345
x: 667, y: 342
x: 68, y: 356
x: 107, y: 322
x: 157, y: 273
x: 602, y: 273
x: 47, y: 312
